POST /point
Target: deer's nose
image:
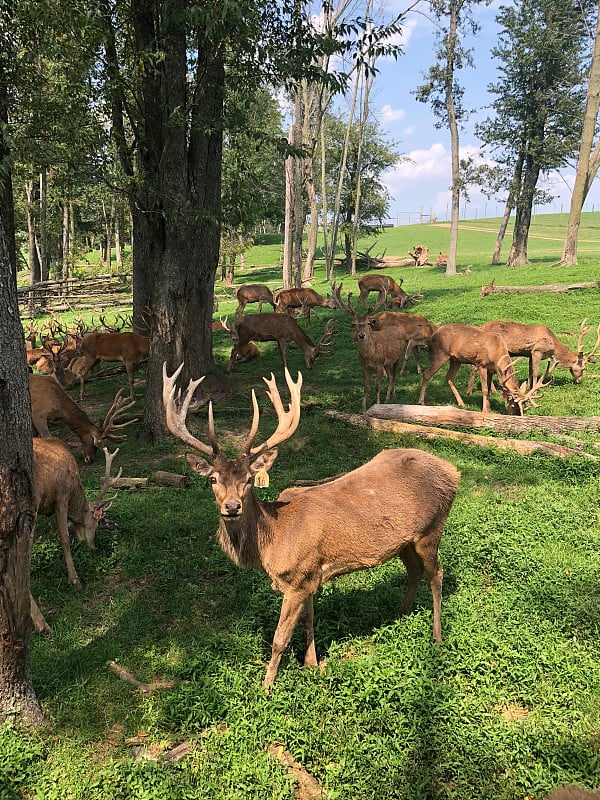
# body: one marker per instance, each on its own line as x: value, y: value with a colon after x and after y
x: 232, y: 508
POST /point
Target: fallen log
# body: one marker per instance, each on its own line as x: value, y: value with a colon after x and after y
x: 521, y: 446
x: 172, y: 479
x: 462, y: 418
x: 491, y: 288
x: 130, y: 483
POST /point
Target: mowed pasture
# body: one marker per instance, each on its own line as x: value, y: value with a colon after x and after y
x: 507, y: 707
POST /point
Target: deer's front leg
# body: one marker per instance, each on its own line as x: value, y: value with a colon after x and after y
x: 308, y: 617
x: 450, y: 375
x: 63, y: 532
x: 293, y: 607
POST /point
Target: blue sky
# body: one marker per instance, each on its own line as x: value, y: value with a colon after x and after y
x: 422, y: 183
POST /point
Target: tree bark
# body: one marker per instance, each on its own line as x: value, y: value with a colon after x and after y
x: 584, y: 175
x: 524, y: 206
x: 510, y: 204
x: 17, y: 696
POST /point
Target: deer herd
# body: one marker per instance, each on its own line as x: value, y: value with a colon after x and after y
x: 299, y: 540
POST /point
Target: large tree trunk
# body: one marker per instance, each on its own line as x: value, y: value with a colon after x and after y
x: 584, y: 175
x: 183, y: 267
x: 17, y: 696
x: 524, y: 206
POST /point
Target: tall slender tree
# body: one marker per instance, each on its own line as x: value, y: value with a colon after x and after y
x: 455, y: 21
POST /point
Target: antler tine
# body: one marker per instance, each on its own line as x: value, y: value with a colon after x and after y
x: 583, y: 331
x: 288, y: 420
x: 534, y: 393
x: 254, y: 427
x: 336, y: 293
x: 176, y: 410
x: 328, y: 334
x: 107, y: 481
x: 588, y: 356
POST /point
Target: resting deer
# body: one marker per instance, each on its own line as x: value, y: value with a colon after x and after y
x: 247, y: 353
x: 379, y: 351
x: 306, y: 299
x: 395, y: 505
x: 417, y: 329
x: 487, y: 351
x: 276, y: 328
x: 253, y: 293
x: 384, y: 286
x: 126, y: 347
x: 50, y: 402
x: 537, y: 343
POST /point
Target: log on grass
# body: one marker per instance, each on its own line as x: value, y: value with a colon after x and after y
x: 172, y: 479
x: 521, y: 446
x: 460, y: 417
x: 491, y: 288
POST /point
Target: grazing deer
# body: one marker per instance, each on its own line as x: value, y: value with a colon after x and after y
x: 537, y: 343
x: 417, y: 329
x: 384, y: 286
x: 58, y: 490
x: 126, y: 347
x: 247, y: 353
x: 50, y: 402
x: 395, y: 505
x: 487, y: 351
x: 379, y: 351
x: 253, y: 293
x: 306, y: 299
x: 276, y: 328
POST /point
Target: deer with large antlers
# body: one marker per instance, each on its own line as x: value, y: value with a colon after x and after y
x: 395, y: 505
x: 50, y: 402
x: 537, y: 343
x: 487, y: 351
x: 379, y: 351
x: 276, y: 328
x: 126, y: 347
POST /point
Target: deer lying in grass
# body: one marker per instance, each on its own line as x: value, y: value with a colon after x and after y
x: 487, y: 351
x: 126, y: 347
x: 395, y: 505
x: 306, y: 299
x: 276, y: 328
x: 253, y: 293
x: 537, y: 343
x: 58, y: 490
x: 384, y: 286
x: 379, y: 351
x: 416, y: 328
x: 49, y: 403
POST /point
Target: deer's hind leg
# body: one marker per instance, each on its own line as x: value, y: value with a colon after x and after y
x: 427, y: 552
x: 414, y: 573
x: 450, y: 376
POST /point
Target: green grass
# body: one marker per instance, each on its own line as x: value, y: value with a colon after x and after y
x: 507, y: 707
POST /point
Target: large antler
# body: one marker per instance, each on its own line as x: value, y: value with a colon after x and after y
x: 325, y: 340
x: 119, y: 406
x: 176, y: 410
x: 287, y: 420
x: 107, y: 481
x: 583, y: 331
x: 336, y: 294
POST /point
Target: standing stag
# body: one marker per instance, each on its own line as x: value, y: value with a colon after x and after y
x: 50, y: 402
x: 275, y: 328
x: 384, y: 286
x: 253, y: 293
x: 58, y: 490
x: 379, y: 351
x: 395, y: 505
x: 487, y: 351
x: 417, y: 329
x: 126, y: 347
x: 537, y: 343
x: 306, y: 299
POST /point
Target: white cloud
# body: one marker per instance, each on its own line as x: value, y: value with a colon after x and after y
x: 389, y: 114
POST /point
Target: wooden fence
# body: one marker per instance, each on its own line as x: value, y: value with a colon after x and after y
x: 72, y: 294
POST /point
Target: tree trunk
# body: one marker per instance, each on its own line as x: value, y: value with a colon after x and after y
x: 288, y: 242
x: 510, y: 203
x: 43, y: 238
x: 454, y: 141
x: 17, y: 696
x: 65, y: 240
x: 524, y: 206
x: 6, y: 186
x: 584, y: 176
x: 313, y: 229
x: 34, y: 263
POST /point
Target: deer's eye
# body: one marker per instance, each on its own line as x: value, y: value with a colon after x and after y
x: 213, y: 480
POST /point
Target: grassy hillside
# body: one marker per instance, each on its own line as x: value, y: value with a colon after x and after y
x: 507, y: 707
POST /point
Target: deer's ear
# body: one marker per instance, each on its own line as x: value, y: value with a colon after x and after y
x: 198, y: 464
x: 264, y: 461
